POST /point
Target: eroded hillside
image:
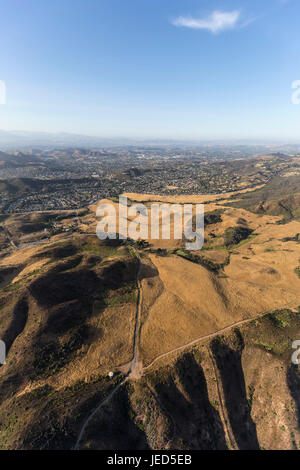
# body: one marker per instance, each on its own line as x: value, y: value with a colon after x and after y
x: 237, y: 391
x: 201, y: 342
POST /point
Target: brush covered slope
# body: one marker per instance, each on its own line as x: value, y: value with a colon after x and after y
x: 236, y: 391
x: 67, y: 311
x: 213, y: 334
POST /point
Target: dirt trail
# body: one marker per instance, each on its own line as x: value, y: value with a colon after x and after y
x: 96, y: 410
x: 135, y: 367
x: 8, y: 235
x: 224, y: 415
x: 205, y: 337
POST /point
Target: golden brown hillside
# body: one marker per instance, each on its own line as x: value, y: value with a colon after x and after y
x: 199, y: 343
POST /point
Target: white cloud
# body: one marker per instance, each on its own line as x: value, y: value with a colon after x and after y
x: 216, y: 22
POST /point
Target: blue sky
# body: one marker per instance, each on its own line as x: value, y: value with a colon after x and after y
x: 186, y: 69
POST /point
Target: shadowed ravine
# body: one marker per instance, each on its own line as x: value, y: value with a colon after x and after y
x: 231, y: 371
x: 192, y: 412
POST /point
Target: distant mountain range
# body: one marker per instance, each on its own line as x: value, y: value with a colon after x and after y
x: 16, y: 159
x: 14, y: 140
x: 21, y: 140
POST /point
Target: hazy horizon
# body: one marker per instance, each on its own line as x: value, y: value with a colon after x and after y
x: 19, y: 139
x: 209, y: 70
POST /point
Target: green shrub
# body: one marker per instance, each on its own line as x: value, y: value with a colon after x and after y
x: 281, y: 318
x: 234, y: 235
